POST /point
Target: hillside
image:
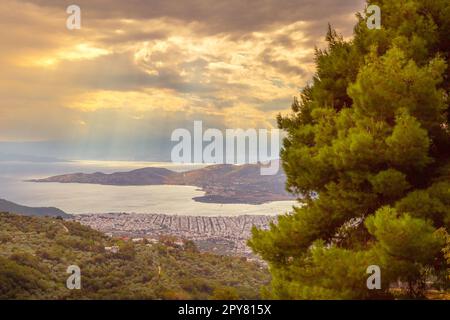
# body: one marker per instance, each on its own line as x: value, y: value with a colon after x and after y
x: 8, y: 206
x: 35, y: 253
x: 222, y: 183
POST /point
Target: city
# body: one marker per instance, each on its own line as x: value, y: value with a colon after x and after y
x: 225, y: 235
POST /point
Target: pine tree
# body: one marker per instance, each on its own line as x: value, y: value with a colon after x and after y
x: 368, y: 153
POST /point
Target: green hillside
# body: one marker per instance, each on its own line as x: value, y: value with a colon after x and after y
x: 36, y: 251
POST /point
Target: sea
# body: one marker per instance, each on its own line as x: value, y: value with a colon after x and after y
x: 77, y: 198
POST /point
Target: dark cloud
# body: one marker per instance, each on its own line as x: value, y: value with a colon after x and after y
x: 118, y: 72
x: 276, y: 104
x: 268, y: 58
x: 218, y: 16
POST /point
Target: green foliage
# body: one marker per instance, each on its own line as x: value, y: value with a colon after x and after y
x: 368, y: 149
x: 405, y: 237
x: 389, y: 183
x: 18, y: 281
x: 126, y: 250
x: 325, y: 273
x: 33, y: 265
x: 446, y: 252
x: 225, y: 293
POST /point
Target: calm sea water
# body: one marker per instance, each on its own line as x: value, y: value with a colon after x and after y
x: 86, y: 198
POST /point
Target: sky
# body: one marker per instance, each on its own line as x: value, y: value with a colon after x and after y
x: 137, y: 70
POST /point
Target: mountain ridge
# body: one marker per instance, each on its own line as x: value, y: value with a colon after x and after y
x: 8, y: 206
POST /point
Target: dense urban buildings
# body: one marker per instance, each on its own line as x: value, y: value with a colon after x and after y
x: 222, y: 235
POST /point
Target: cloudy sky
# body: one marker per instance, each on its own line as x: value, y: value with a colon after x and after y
x: 138, y: 69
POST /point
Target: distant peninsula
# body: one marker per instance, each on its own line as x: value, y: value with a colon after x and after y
x: 222, y: 183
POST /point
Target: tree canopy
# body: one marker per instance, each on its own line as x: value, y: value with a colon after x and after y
x: 368, y: 152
